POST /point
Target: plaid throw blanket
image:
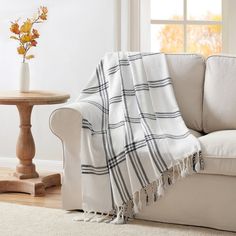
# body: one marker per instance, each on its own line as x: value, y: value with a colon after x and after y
x: 134, y: 141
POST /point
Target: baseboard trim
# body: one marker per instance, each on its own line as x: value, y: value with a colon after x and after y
x: 43, y: 165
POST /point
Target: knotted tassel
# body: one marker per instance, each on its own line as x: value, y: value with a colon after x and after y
x: 173, y: 176
x: 119, y: 218
x: 149, y: 194
x: 136, y: 202
x: 105, y: 218
x: 183, y: 173
x: 201, y: 161
x: 197, y: 166
x: 154, y: 191
x: 160, y: 190
x: 79, y: 218
x: 179, y: 168
x: 188, y: 167
x: 89, y: 217
x: 142, y: 199
x: 169, y: 179
x: 100, y: 218
x: 183, y: 170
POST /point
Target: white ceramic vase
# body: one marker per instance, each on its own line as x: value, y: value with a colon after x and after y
x: 24, y: 77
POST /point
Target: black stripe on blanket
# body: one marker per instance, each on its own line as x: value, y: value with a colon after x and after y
x: 95, y: 89
x: 134, y: 158
x: 116, y: 173
x: 89, y: 169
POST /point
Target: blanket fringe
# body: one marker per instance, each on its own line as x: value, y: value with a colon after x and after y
x: 155, y: 190
x: 150, y: 193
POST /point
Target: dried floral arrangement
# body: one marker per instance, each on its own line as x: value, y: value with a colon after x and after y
x: 26, y: 34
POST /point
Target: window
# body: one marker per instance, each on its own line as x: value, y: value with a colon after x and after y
x: 186, y: 26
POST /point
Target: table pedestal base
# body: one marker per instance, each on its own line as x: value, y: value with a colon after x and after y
x: 35, y: 186
x: 25, y: 176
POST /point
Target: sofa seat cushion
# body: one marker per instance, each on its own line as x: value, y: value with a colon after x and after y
x: 195, y: 133
x: 219, y: 152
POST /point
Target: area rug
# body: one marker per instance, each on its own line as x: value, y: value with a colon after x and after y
x: 18, y: 220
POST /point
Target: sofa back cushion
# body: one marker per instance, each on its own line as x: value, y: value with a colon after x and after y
x: 187, y: 72
x: 219, y: 104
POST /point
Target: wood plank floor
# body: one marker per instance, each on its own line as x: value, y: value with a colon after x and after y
x: 52, y: 199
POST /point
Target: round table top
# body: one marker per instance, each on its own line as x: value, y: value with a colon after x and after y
x: 39, y: 97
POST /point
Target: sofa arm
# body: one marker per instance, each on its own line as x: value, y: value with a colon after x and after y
x: 66, y: 124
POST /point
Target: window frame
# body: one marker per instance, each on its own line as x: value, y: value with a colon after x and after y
x: 185, y: 22
x: 132, y: 27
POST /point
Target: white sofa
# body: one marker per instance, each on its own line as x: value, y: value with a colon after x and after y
x: 206, y: 94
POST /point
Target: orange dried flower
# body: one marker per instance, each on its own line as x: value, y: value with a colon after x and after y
x: 43, y: 15
x: 33, y: 43
x: 44, y: 10
x: 35, y: 34
x: 25, y: 38
x: 21, y: 50
x: 26, y: 27
x: 26, y: 34
x: 15, y: 28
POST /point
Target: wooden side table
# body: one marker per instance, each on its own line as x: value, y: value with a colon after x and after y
x: 26, y: 178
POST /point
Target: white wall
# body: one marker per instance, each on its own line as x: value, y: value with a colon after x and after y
x: 229, y: 30
x: 75, y: 37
